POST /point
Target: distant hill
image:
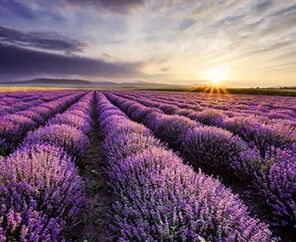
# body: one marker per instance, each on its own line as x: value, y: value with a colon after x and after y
x: 52, y: 82
x: 78, y: 83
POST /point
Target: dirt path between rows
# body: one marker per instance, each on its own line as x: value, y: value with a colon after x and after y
x: 95, y: 221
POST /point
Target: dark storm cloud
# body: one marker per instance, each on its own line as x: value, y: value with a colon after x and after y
x: 20, y: 61
x: 120, y: 6
x: 42, y: 40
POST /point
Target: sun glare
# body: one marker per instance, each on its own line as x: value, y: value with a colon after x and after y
x: 216, y: 75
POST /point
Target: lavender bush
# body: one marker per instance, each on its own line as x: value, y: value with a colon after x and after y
x: 173, y: 129
x: 260, y: 135
x: 40, y: 193
x: 212, y: 148
x: 72, y: 140
x: 72, y: 120
x: 276, y: 185
x: 209, y: 117
x: 116, y: 147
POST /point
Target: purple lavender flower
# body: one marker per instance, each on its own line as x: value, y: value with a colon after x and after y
x: 40, y: 193
x: 72, y: 140
x: 140, y: 114
x: 72, y: 120
x: 261, y: 135
x: 212, y: 148
x: 117, y: 147
x: 209, y: 117
x: 20, y: 219
x: 276, y: 184
x: 120, y: 124
x: 173, y: 128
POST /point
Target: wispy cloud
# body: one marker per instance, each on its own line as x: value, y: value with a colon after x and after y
x: 119, y: 6
x: 186, y: 23
x: 263, y: 5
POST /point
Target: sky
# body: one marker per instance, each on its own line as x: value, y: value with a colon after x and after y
x: 243, y: 43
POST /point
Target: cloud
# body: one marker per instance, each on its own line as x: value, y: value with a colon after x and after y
x: 41, y: 40
x: 25, y: 62
x: 165, y: 69
x: 263, y: 5
x: 284, y: 66
x: 212, y: 7
x: 119, y: 6
x: 288, y: 10
x: 16, y: 7
x: 230, y: 20
x: 186, y: 23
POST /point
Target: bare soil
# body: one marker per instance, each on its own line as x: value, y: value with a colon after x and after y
x: 95, y: 218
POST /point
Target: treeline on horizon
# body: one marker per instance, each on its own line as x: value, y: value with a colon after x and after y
x: 280, y: 91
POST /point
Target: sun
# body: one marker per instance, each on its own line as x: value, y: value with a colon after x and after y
x: 216, y: 75
x: 216, y: 79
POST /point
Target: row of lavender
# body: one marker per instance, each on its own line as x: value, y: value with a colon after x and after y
x: 13, y: 127
x: 231, y: 105
x: 266, y: 113
x: 156, y: 197
x: 18, y: 101
x: 271, y: 178
x: 40, y: 190
x: 273, y: 107
x: 264, y: 136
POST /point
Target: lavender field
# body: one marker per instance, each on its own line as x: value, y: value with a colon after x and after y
x: 147, y: 166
